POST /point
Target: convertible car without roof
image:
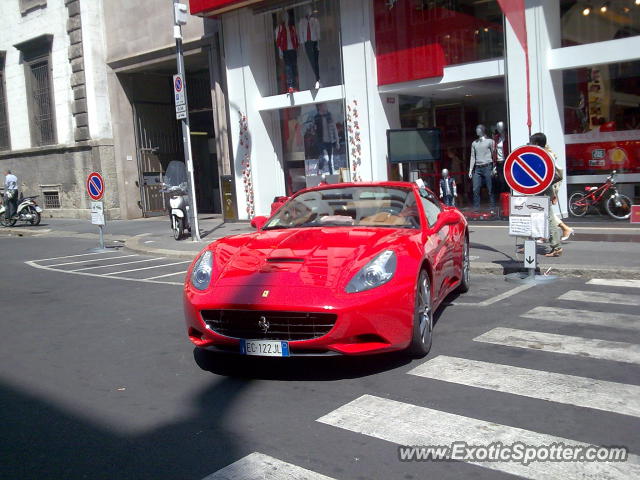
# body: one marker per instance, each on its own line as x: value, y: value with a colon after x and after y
x: 345, y: 269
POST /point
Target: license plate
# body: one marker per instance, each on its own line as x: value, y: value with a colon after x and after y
x: 264, y: 348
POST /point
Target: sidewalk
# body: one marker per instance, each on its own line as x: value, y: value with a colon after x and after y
x: 599, y: 248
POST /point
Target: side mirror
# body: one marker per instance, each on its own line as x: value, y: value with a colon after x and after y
x: 449, y: 217
x: 258, y: 222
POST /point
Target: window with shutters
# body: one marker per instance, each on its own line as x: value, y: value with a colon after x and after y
x: 5, y: 143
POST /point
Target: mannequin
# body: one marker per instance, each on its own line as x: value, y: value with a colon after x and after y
x: 287, y: 43
x: 309, y: 34
x: 481, y: 167
x: 448, y: 190
x: 502, y: 151
x: 327, y: 138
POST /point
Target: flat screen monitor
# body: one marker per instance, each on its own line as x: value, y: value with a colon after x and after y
x: 414, y: 145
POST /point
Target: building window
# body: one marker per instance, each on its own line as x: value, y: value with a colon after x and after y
x: 36, y: 57
x: 313, y: 141
x: 602, y: 118
x: 5, y: 143
x: 27, y: 5
x: 51, y: 199
x: 590, y: 22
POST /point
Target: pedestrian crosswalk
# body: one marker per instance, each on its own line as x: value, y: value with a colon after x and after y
x: 117, y: 265
x: 406, y: 424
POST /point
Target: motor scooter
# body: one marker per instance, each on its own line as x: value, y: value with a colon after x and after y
x: 27, y: 211
x: 175, y: 184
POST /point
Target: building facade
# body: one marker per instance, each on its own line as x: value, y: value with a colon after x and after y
x: 55, y: 126
x: 394, y: 89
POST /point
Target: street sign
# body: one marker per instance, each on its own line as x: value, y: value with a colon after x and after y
x: 178, y: 89
x: 530, y: 254
x: 97, y: 213
x: 529, y: 170
x: 95, y: 186
x: 529, y: 216
x: 635, y: 214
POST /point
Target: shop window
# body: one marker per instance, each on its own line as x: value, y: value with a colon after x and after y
x: 417, y: 38
x: 313, y: 145
x: 602, y: 118
x: 4, y: 120
x: 588, y: 22
x: 306, y: 39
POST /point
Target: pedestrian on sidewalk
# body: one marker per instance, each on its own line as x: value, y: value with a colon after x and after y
x: 10, y: 193
x: 540, y: 139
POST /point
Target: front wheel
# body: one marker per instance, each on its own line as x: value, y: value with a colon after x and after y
x: 618, y: 206
x: 35, y: 216
x: 422, y: 318
x: 578, y: 205
x: 465, y: 279
x: 6, y: 222
x: 178, y: 227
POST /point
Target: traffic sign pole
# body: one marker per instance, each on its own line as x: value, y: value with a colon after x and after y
x: 186, y: 131
x: 95, y: 190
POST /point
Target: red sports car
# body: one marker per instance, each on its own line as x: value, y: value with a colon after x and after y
x: 339, y: 269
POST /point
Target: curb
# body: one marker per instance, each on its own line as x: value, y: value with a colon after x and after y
x: 562, y: 270
x: 137, y: 245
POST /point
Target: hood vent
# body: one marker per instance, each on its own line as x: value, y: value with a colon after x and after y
x: 285, y: 260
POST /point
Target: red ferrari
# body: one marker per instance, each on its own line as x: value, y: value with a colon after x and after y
x: 339, y: 269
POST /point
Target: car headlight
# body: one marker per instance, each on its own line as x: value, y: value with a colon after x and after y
x: 375, y: 273
x: 201, y: 274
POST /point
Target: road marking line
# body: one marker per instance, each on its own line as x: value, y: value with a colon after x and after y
x: 145, y: 268
x: 257, y: 466
x: 601, y: 297
x: 116, y: 264
x: 550, y: 342
x: 555, y: 387
x: 166, y: 275
x: 70, y: 256
x: 406, y: 424
x: 498, y: 298
x: 98, y: 275
x: 92, y: 260
x: 608, y: 229
x: 614, y: 282
x: 586, y: 317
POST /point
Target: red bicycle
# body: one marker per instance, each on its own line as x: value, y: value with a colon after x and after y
x: 616, y: 204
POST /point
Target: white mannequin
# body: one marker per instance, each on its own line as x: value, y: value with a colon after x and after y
x: 481, y: 165
x: 309, y: 36
x: 448, y: 188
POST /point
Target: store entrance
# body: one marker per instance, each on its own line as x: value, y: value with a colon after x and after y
x: 456, y: 111
x: 159, y: 136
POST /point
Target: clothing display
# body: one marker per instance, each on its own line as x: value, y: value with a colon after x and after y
x: 327, y: 139
x: 287, y: 43
x: 502, y: 152
x: 309, y: 35
x: 481, y: 166
x: 448, y: 190
x: 482, y: 151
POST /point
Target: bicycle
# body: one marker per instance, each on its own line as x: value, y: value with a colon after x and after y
x: 616, y: 204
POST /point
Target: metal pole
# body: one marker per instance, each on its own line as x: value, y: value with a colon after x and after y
x: 186, y: 138
x: 101, y: 237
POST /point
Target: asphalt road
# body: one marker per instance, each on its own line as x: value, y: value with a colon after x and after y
x: 99, y: 381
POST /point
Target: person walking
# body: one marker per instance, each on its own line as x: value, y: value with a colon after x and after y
x: 540, y: 139
x: 11, y: 193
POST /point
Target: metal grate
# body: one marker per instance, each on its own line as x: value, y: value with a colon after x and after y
x: 251, y: 324
x: 42, y: 111
x: 4, y: 121
x: 51, y: 199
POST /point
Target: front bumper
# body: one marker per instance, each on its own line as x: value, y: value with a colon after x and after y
x: 376, y: 321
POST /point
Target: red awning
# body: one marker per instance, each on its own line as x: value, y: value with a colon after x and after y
x: 207, y: 8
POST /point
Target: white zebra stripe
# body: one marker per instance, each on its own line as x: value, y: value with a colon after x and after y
x: 584, y: 317
x: 555, y: 387
x: 550, y: 342
x: 407, y: 424
x: 601, y: 297
x: 615, y: 282
x: 257, y: 466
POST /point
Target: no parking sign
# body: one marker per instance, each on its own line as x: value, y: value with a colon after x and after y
x: 529, y: 170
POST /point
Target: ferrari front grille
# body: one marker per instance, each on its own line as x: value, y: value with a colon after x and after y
x: 269, y: 325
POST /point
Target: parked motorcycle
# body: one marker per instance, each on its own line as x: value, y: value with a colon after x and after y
x: 27, y: 211
x: 175, y: 185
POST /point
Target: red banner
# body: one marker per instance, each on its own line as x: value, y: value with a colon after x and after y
x: 213, y: 7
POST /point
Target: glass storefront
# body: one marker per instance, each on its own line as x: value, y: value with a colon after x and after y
x: 313, y: 144
x: 416, y: 39
x: 590, y: 22
x: 306, y: 39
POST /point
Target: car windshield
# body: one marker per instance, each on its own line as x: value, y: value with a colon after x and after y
x: 349, y: 206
